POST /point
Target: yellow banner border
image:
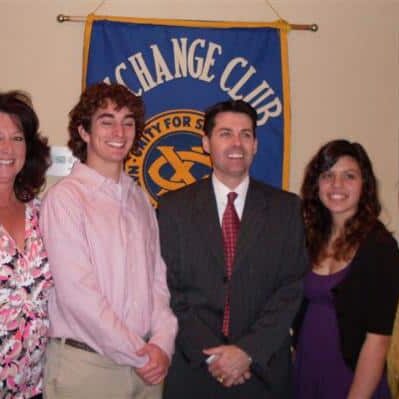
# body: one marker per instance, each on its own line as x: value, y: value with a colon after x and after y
x: 283, y: 26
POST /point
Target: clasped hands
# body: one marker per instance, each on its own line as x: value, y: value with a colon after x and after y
x: 230, y: 365
x: 155, y: 370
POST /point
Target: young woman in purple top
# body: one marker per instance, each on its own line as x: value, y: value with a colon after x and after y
x: 344, y: 326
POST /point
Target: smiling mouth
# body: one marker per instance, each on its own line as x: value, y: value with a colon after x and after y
x: 235, y: 156
x: 6, y: 161
x: 114, y: 144
x: 337, y: 197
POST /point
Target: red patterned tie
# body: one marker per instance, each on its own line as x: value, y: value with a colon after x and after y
x: 230, y: 226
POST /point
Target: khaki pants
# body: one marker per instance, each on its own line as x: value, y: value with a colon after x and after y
x: 78, y: 374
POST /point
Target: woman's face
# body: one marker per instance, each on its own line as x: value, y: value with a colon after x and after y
x: 340, y: 188
x: 12, y: 149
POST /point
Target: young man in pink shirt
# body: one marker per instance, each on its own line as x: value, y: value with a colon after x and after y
x: 112, y: 330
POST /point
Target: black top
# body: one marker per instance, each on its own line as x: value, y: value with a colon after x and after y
x: 366, y: 300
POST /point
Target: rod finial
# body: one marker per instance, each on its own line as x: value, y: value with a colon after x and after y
x: 314, y: 27
x: 62, y: 18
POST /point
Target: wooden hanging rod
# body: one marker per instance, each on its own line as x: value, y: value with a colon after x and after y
x: 69, y: 18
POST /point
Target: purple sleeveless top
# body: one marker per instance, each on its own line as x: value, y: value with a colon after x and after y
x: 320, y: 371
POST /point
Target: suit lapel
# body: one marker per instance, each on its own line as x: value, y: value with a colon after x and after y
x: 253, y: 222
x: 207, y: 221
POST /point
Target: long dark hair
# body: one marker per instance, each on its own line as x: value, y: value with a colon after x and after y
x: 31, y: 179
x: 317, y: 217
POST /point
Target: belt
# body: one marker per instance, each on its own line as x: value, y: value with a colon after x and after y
x: 76, y: 344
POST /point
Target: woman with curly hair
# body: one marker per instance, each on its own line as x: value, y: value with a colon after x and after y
x: 344, y: 327
x: 24, y: 270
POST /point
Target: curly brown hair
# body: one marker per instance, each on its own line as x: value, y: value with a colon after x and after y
x: 31, y: 179
x: 317, y: 218
x: 95, y: 97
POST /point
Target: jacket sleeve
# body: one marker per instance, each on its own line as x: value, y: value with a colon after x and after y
x: 382, y: 299
x: 270, y: 331
x: 366, y: 300
x: 193, y: 334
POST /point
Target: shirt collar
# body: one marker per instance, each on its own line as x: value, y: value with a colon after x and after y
x: 91, y: 178
x: 221, y: 190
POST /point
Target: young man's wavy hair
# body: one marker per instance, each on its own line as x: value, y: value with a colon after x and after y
x: 95, y: 97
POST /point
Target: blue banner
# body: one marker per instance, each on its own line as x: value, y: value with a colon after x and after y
x: 182, y: 67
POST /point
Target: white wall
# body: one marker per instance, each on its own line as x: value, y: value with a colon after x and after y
x: 344, y: 78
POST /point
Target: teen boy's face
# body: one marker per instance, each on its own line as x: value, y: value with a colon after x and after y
x: 110, y: 138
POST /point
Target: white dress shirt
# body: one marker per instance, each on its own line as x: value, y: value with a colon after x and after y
x: 221, y: 192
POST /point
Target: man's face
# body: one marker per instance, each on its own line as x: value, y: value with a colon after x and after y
x: 110, y: 138
x: 232, y: 146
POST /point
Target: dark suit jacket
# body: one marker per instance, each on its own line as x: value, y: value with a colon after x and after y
x: 266, y: 287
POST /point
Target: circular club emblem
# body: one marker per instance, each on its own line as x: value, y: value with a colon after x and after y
x: 169, y: 154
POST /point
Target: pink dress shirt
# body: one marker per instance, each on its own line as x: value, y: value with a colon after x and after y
x: 110, y: 280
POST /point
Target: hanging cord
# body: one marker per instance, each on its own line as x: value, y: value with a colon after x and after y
x: 312, y: 27
x: 94, y: 11
x: 273, y: 9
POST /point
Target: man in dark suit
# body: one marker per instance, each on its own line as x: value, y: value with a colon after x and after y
x: 234, y: 321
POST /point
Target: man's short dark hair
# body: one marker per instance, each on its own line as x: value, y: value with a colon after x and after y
x: 236, y: 106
